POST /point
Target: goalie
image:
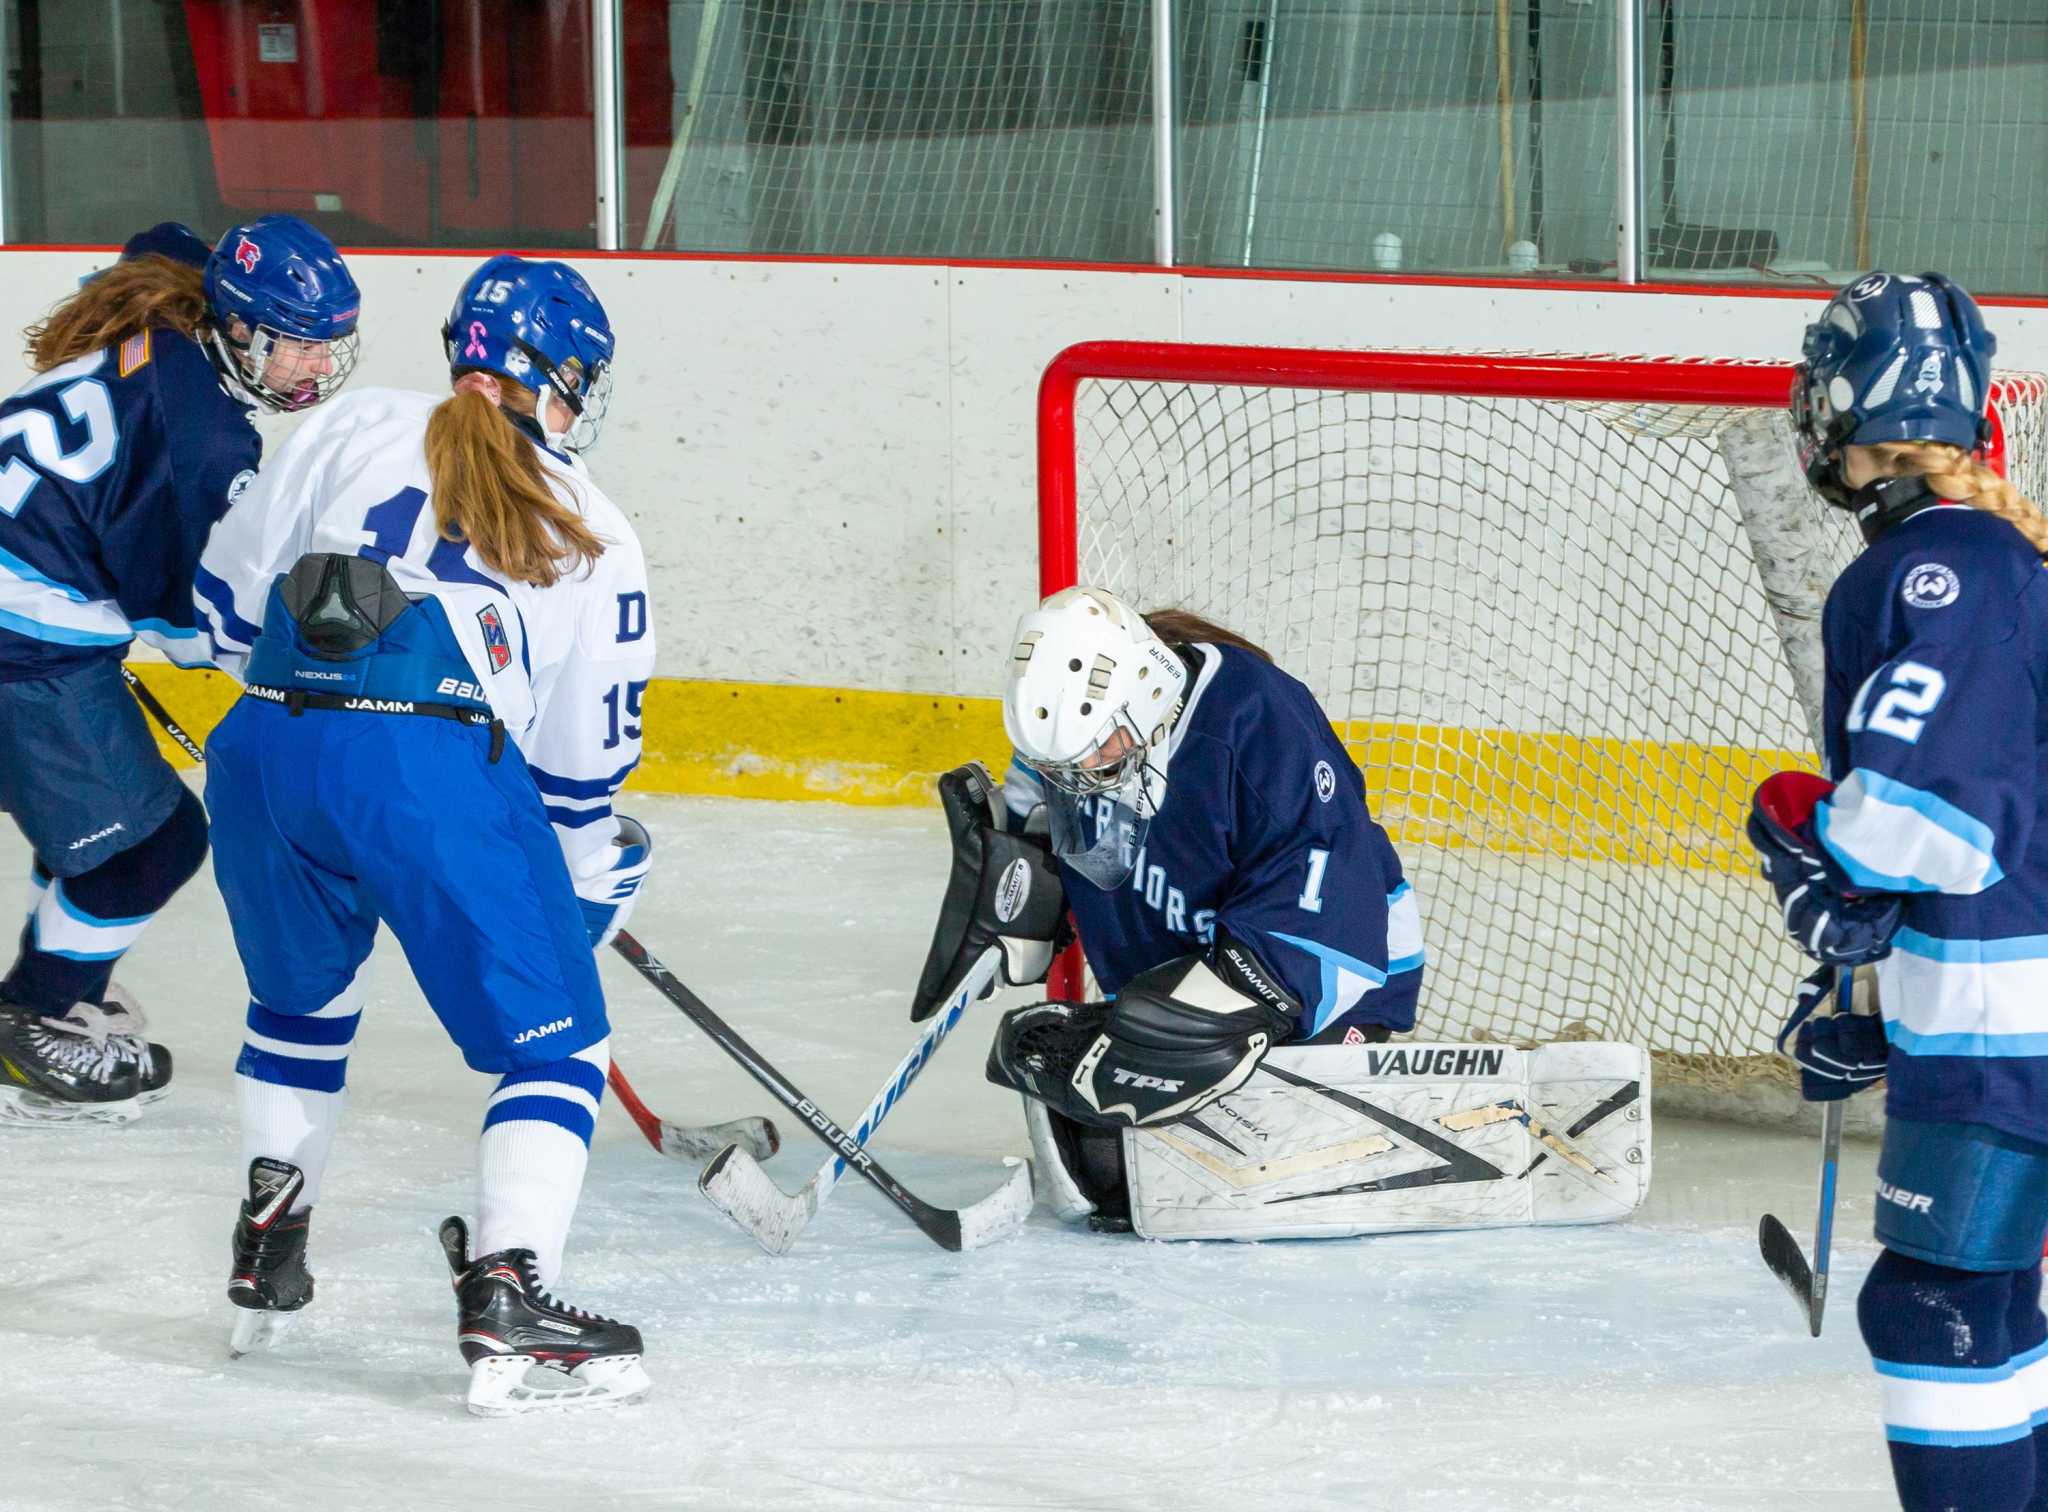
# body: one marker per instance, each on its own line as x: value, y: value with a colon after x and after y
x: 1190, y: 803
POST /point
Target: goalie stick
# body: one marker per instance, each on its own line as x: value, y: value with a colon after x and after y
x: 740, y: 1189
x: 979, y: 1223
x: 679, y: 1141
x: 1808, y: 1282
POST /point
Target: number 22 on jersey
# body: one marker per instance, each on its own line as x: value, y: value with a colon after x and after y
x: 86, y: 400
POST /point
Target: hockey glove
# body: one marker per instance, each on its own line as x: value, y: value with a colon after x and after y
x: 1178, y: 1037
x: 1004, y: 890
x: 608, y: 881
x: 1825, y: 917
x: 1837, y: 1056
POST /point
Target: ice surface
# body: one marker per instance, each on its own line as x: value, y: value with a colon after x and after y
x: 1652, y: 1365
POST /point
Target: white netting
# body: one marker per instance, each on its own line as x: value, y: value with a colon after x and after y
x: 1541, y: 629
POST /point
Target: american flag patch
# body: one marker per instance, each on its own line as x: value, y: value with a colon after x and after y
x: 134, y: 353
x: 496, y: 644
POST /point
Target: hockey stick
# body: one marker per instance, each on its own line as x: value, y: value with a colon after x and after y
x: 739, y: 1188
x: 756, y: 1137
x: 1808, y: 1283
x: 680, y: 1141
x: 970, y: 1227
x: 160, y: 714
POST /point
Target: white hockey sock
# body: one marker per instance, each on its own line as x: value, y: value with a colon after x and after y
x: 531, y: 1156
x: 292, y: 1081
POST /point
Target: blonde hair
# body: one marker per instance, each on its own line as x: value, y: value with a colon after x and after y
x: 491, y: 490
x: 133, y: 296
x: 1956, y: 475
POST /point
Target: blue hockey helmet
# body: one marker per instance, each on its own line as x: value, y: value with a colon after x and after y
x: 1893, y: 357
x: 284, y: 310
x: 539, y: 325
x: 172, y: 239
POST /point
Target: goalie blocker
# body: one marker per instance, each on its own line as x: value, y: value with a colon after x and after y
x: 1338, y: 1140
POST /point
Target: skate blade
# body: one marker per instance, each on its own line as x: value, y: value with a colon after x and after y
x: 258, y: 1330
x: 20, y: 1108
x: 507, y: 1385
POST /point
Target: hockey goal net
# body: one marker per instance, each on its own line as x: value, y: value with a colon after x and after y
x: 1564, y: 612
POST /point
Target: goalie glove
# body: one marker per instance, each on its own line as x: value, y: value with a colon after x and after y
x: 1838, y: 1055
x: 1004, y: 890
x: 1823, y: 915
x: 608, y: 881
x: 1178, y: 1037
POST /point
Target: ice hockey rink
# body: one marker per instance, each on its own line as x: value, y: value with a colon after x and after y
x: 1650, y: 1365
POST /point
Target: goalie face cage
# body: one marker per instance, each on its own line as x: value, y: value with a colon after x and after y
x: 1564, y: 612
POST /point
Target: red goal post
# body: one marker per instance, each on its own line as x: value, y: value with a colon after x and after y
x: 1563, y: 610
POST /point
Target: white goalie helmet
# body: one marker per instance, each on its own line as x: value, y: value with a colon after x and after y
x: 1091, y: 701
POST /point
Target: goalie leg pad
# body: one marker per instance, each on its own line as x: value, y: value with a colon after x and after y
x: 1331, y: 1141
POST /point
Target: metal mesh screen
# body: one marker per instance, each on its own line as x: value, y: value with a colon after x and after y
x: 1539, y: 626
x: 958, y: 128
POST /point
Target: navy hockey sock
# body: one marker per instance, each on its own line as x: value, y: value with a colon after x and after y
x: 1961, y: 1357
x: 79, y: 927
x: 532, y: 1154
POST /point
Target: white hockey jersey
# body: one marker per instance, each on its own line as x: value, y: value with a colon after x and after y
x: 564, y: 667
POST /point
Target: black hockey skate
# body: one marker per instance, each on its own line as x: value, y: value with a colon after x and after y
x: 526, y: 1350
x: 268, y: 1278
x: 90, y: 1065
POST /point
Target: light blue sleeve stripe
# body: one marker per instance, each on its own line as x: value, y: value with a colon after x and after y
x: 1972, y: 952
x: 1972, y: 831
x: 56, y: 635
x: 1872, y: 880
x: 1960, y: 1375
x: 1333, y: 961
x: 21, y: 569
x: 1937, y: 811
x: 1398, y: 894
x: 1406, y: 963
x: 1976, y: 1046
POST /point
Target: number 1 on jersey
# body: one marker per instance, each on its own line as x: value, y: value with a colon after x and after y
x: 1312, y: 895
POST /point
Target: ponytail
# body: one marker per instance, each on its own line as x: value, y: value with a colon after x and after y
x: 1955, y: 475
x: 1182, y: 627
x: 491, y: 490
x: 133, y: 296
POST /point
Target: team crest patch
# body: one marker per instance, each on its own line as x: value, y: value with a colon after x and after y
x: 1353, y: 1037
x: 247, y: 255
x: 1931, y: 586
x: 134, y: 353
x: 1326, y: 781
x: 497, y: 645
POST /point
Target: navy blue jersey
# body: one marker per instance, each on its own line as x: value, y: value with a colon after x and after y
x: 1937, y: 736
x: 113, y: 468
x: 1264, y: 829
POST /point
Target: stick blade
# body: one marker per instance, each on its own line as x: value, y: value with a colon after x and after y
x: 756, y: 1136
x: 738, y: 1187
x: 1782, y: 1254
x: 1002, y: 1212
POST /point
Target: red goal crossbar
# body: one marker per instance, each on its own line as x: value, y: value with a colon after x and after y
x: 1619, y: 380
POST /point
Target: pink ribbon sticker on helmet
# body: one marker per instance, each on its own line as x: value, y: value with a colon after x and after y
x: 475, y: 348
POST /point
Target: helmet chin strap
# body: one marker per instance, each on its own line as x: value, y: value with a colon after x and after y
x: 1887, y: 503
